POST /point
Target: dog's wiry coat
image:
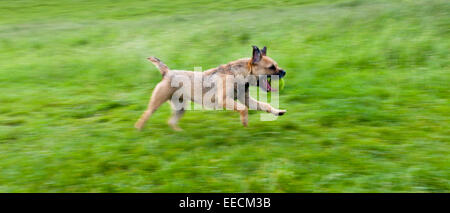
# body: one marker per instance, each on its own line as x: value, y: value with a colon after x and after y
x: 259, y: 64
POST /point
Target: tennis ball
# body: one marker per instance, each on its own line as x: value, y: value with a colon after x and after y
x: 281, y: 84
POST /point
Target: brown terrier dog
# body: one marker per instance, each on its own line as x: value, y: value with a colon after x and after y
x: 169, y: 89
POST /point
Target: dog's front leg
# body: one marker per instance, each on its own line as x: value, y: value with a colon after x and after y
x: 253, y: 103
x: 231, y: 104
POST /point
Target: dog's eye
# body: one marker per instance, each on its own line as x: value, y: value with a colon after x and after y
x: 272, y: 67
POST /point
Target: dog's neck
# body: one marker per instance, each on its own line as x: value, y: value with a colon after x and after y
x: 239, y: 67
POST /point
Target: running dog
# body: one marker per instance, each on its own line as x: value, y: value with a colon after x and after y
x: 214, y: 82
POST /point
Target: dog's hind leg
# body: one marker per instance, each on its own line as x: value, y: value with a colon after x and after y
x: 244, y: 117
x: 161, y: 94
x: 176, y: 115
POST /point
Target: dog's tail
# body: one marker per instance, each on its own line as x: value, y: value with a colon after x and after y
x: 163, y: 69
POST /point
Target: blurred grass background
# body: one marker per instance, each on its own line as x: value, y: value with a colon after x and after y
x: 367, y: 95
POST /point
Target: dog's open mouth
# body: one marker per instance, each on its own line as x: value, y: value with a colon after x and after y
x: 265, y: 84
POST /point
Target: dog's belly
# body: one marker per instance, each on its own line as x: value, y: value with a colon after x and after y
x: 202, y: 89
x: 194, y: 86
x: 207, y: 97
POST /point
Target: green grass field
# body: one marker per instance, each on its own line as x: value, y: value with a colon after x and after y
x: 367, y: 97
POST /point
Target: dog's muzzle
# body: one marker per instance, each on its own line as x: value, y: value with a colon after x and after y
x: 281, y: 73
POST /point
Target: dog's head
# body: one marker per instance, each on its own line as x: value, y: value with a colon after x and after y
x: 262, y: 65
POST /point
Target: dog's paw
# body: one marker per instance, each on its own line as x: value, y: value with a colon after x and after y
x: 280, y: 112
x: 177, y: 129
x: 138, y: 126
x: 153, y: 59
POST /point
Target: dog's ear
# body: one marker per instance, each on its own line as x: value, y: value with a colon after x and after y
x: 256, y: 55
x: 264, y: 51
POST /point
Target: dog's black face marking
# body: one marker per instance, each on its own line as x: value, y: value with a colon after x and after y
x: 280, y: 72
x: 272, y: 67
